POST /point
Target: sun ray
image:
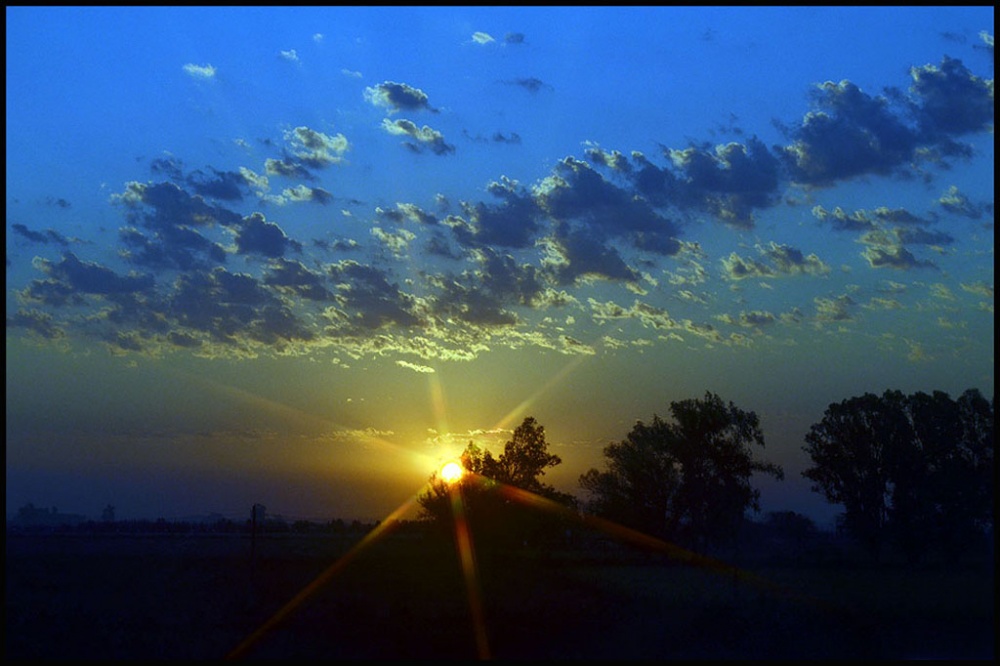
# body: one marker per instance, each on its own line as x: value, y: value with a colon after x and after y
x: 381, y: 530
x: 553, y: 381
x: 467, y: 557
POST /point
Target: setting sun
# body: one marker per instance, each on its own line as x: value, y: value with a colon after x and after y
x: 451, y: 472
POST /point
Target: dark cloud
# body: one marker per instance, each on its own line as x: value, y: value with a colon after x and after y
x: 43, y: 237
x: 850, y: 134
x: 898, y: 216
x: 232, y: 308
x: 374, y: 301
x: 514, y: 223
x: 305, y: 193
x: 738, y: 268
x: 893, y: 256
x: 514, y: 38
x: 731, y: 181
x: 484, y: 296
x: 950, y: 100
x: 293, y: 277
x: 500, y: 137
x: 919, y: 236
x: 58, y: 202
x: 578, y: 254
x: 398, y: 97
x: 70, y: 280
x: 531, y: 84
x: 578, y: 194
x: 258, y: 236
x: 163, y: 206
x: 171, y: 167
x: 791, y: 261
x: 39, y: 323
x: 172, y: 247
x: 286, y: 167
x: 224, y: 185
x: 957, y: 203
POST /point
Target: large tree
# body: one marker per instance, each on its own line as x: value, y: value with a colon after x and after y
x: 690, y: 477
x: 489, y: 510
x: 914, y: 471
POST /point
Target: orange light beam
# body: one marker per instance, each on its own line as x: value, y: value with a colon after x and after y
x: 463, y: 542
x: 644, y: 540
x: 380, y: 530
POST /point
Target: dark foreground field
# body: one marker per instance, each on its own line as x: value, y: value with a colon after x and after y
x: 197, y: 597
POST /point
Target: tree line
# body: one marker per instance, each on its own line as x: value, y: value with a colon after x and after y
x: 913, y: 473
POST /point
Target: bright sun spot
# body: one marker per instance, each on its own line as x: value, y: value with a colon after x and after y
x: 451, y: 472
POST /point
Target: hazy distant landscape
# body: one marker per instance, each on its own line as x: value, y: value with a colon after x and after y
x: 78, y: 595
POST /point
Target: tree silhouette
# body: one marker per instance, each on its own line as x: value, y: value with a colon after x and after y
x: 914, y: 471
x: 492, y: 516
x: 690, y: 477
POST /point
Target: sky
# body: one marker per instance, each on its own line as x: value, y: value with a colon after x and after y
x: 302, y: 256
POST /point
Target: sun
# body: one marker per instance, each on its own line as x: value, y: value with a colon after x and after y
x: 451, y: 472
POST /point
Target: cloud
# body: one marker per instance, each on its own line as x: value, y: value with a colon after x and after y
x: 425, y: 136
x: 316, y: 149
x: 285, y: 167
x: 957, y: 203
x: 950, y: 100
x: 200, y: 71
x: 70, y: 277
x: 518, y: 38
x: 290, y: 55
x: 307, y: 194
x: 44, y: 238
x: 37, y: 322
x: 782, y: 260
x: 294, y: 278
x: 482, y: 38
x: 513, y: 223
x: 375, y: 301
x: 843, y: 221
x: 577, y: 196
x: 834, y: 309
x: 531, y: 84
x: 484, y: 296
x: 893, y: 256
x: 223, y: 185
x: 731, y: 181
x: 415, y: 367
x: 849, y: 134
x: 398, y: 97
x: 256, y: 235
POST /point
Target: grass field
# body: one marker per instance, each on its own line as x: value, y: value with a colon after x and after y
x: 200, y: 596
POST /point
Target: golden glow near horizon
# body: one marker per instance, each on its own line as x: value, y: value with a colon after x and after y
x: 451, y: 472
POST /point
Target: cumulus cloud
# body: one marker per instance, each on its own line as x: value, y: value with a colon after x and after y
x: 425, y: 136
x: 893, y: 256
x: 398, y: 97
x: 316, y: 149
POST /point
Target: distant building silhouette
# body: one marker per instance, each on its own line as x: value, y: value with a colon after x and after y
x: 31, y: 516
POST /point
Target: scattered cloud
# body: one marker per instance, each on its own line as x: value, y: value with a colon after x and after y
x: 200, y: 71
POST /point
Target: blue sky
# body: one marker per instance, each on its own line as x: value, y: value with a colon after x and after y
x: 301, y: 256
